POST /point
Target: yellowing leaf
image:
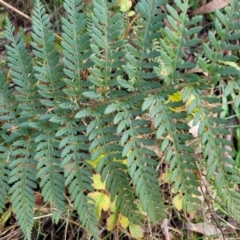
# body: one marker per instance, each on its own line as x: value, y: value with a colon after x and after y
x: 124, y: 222
x: 131, y: 13
x: 95, y: 161
x: 178, y: 202
x: 113, y: 207
x: 125, y: 5
x: 102, y: 202
x: 111, y: 221
x: 176, y: 97
x: 136, y: 231
x: 97, y: 183
x: 164, y: 177
x: 4, y: 217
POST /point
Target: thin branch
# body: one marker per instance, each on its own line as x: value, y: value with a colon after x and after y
x: 22, y: 14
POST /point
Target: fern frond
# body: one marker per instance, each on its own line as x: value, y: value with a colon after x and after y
x: 221, y: 167
x: 23, y: 176
x: 169, y: 125
x: 106, y: 29
x: 19, y: 157
x: 49, y: 170
x: 140, y: 55
x: 50, y: 71
x: 76, y: 42
x: 107, y: 48
x: 76, y: 170
x: 140, y: 159
x: 4, y: 175
x: 21, y: 67
x: 49, y: 74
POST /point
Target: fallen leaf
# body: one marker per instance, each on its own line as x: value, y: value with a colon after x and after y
x: 111, y: 221
x: 211, y: 6
x: 178, y: 202
x: 97, y: 183
x: 113, y: 207
x: 102, y: 202
x: 136, y: 231
x: 124, y: 222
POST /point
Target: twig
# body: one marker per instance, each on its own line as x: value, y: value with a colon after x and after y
x: 22, y: 14
x: 15, y: 10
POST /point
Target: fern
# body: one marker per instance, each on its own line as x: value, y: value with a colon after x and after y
x: 219, y: 160
x: 20, y: 142
x: 74, y: 144
x: 49, y: 74
x: 110, y: 96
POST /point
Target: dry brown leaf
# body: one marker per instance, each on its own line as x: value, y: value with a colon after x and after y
x: 204, y: 228
x: 211, y: 6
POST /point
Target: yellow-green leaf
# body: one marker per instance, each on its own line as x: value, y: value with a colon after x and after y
x: 113, y: 207
x: 102, y: 202
x: 131, y: 13
x: 231, y: 64
x: 175, y: 97
x: 136, y: 231
x: 97, y: 183
x: 178, y: 202
x: 124, y: 222
x: 4, y: 217
x: 111, y: 221
x: 125, y: 5
x: 95, y: 161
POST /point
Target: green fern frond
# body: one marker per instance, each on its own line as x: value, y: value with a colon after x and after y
x: 140, y: 159
x: 169, y: 125
x: 107, y: 48
x: 221, y: 167
x: 22, y: 177
x: 49, y: 170
x: 76, y: 170
x: 106, y: 30
x: 4, y: 175
x: 21, y: 67
x: 50, y: 71
x: 139, y: 70
x: 76, y: 42
x: 19, y: 157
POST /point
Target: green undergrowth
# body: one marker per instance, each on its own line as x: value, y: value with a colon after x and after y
x: 127, y: 87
